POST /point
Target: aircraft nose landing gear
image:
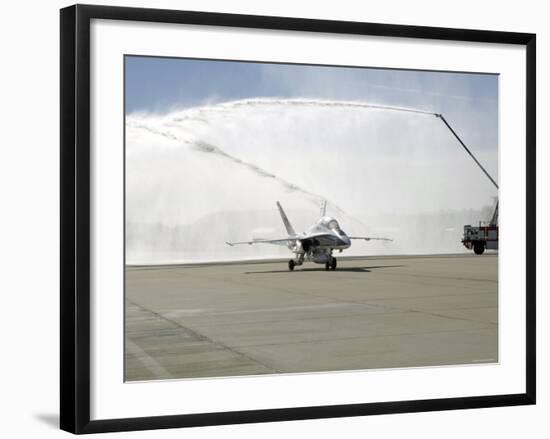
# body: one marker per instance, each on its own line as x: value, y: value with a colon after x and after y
x: 291, y: 265
x: 331, y: 264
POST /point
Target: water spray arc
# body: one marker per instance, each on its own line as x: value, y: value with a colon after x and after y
x: 328, y: 104
x: 217, y: 167
x: 210, y: 148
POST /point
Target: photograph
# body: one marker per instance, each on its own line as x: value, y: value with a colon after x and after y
x: 296, y: 218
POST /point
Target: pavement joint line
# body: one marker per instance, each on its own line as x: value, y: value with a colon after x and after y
x: 287, y: 320
x: 430, y: 296
x: 453, y: 317
x: 467, y: 308
x: 293, y: 292
x: 426, y: 280
x: 390, y: 309
x: 333, y: 301
x: 284, y: 290
x: 209, y: 325
x: 469, y: 279
x: 362, y: 336
x: 355, y: 314
x: 376, y: 300
x: 472, y: 286
x: 397, y: 309
x: 203, y: 337
x: 330, y: 305
x: 147, y: 361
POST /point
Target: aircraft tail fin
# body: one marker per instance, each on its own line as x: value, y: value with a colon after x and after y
x: 288, y: 226
x: 324, y: 208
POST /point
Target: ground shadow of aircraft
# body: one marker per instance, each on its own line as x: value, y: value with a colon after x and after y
x: 346, y: 269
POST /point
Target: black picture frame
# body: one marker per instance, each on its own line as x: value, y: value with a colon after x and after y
x: 75, y: 217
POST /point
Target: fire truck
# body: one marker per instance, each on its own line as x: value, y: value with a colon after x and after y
x: 482, y: 237
x: 485, y: 235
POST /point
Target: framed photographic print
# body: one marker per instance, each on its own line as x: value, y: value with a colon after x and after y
x: 274, y: 218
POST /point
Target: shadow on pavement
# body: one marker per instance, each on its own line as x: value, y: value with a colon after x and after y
x: 367, y: 269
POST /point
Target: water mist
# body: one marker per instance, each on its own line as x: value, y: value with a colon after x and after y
x: 199, y: 177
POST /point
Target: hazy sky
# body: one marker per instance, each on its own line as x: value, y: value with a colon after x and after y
x: 468, y: 101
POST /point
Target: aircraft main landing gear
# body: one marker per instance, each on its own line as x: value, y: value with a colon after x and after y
x: 291, y: 265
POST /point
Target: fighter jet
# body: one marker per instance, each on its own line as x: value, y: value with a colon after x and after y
x: 316, y: 244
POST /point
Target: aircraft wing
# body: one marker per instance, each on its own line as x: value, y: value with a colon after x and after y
x: 366, y: 238
x: 282, y: 241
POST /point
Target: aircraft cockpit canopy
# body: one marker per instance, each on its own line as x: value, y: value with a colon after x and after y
x: 332, y: 224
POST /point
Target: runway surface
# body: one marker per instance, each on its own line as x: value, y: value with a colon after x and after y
x: 259, y: 318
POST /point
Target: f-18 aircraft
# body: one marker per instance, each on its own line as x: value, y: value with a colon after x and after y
x: 315, y: 245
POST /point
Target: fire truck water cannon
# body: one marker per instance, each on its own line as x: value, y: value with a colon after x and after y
x: 485, y: 235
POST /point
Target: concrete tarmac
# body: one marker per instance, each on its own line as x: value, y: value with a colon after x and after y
x: 258, y: 318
